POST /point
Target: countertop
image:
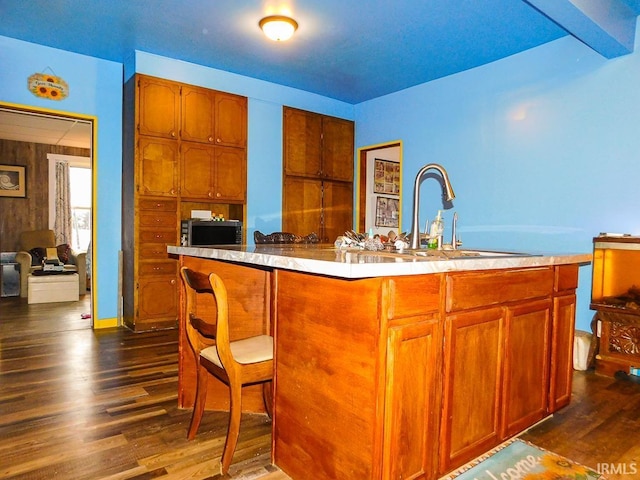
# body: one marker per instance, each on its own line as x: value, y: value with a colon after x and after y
x: 351, y: 263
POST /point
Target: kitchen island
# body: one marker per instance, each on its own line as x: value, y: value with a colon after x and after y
x: 391, y: 365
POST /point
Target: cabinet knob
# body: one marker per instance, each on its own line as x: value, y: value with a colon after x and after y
x: 211, y: 139
x: 173, y: 191
x: 218, y: 194
x: 218, y: 140
x: 173, y: 282
x: 173, y: 134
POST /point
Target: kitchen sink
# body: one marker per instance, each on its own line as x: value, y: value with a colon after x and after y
x: 465, y: 254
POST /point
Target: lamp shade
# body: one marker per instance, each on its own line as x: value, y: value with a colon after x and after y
x: 278, y: 27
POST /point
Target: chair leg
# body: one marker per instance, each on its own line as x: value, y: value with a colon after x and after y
x: 267, y: 397
x: 235, y: 414
x: 201, y: 398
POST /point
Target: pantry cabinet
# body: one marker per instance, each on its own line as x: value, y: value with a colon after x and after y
x: 184, y: 149
x: 317, y: 174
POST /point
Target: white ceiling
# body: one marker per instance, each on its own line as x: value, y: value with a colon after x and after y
x: 52, y: 130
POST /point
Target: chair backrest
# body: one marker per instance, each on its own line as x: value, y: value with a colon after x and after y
x: 201, y: 332
x: 37, y: 238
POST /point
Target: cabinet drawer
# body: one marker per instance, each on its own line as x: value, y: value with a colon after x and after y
x: 414, y: 295
x: 158, y: 219
x: 472, y: 290
x: 157, y: 205
x: 158, y: 268
x: 153, y: 251
x: 566, y: 277
x: 158, y: 236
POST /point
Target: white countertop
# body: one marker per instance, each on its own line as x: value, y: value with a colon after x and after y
x: 328, y: 260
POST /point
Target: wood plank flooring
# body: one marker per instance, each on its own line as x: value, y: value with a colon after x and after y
x: 82, y: 404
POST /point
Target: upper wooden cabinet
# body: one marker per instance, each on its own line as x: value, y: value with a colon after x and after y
x: 158, y: 106
x: 302, y: 143
x: 213, y: 173
x: 157, y: 167
x: 213, y: 117
x: 317, y: 145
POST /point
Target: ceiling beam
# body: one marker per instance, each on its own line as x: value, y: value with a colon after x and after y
x: 606, y: 26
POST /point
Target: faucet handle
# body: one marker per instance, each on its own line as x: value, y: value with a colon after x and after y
x: 455, y: 241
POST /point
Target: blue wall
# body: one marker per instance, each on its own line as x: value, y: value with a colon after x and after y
x: 541, y: 149
x: 95, y: 89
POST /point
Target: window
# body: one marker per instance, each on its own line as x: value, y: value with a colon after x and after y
x: 80, y: 178
x: 80, y: 181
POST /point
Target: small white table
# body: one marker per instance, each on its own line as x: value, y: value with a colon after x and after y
x: 53, y: 288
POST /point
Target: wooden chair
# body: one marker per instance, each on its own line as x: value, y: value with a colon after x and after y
x: 241, y: 362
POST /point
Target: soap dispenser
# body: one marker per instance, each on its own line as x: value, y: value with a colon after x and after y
x: 436, y: 231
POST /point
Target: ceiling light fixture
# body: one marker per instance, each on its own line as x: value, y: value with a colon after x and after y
x: 278, y: 27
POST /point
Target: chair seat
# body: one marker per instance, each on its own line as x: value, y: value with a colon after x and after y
x: 248, y: 350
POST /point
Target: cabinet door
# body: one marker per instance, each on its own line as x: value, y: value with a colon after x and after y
x: 302, y: 143
x: 158, y: 107
x: 157, y: 167
x: 337, y: 149
x: 197, y: 171
x: 302, y: 205
x: 197, y: 115
x: 472, y: 379
x: 410, y: 434
x: 526, y: 377
x: 230, y: 174
x: 230, y: 120
x: 157, y: 295
x: 337, y: 207
x: 562, y: 331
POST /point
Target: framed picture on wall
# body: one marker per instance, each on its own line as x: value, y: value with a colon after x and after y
x: 13, y: 181
x: 386, y: 177
x: 387, y: 213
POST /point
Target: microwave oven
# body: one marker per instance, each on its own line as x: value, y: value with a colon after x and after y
x: 201, y: 233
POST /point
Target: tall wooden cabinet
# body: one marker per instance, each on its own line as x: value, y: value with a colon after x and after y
x: 184, y: 149
x: 317, y: 174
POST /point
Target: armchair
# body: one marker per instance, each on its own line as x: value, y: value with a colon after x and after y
x: 46, y: 239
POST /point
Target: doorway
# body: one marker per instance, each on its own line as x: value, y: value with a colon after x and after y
x: 379, y: 184
x: 27, y: 136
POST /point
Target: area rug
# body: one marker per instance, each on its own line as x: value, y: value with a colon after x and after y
x: 520, y: 460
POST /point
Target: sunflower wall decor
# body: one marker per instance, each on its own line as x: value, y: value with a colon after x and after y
x: 48, y: 86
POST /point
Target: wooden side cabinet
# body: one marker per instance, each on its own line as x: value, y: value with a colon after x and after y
x: 317, y: 174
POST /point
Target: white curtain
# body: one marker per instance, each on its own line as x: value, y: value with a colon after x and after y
x: 62, y: 226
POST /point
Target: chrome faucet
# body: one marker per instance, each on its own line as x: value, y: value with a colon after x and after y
x: 415, y: 228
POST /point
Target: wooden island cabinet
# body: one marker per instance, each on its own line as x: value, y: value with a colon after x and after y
x: 405, y: 373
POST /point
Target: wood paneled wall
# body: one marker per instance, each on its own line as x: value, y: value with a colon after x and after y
x: 32, y: 212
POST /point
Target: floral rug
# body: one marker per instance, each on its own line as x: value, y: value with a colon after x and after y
x: 520, y: 460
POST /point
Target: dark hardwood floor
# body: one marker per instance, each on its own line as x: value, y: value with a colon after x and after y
x: 82, y: 404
